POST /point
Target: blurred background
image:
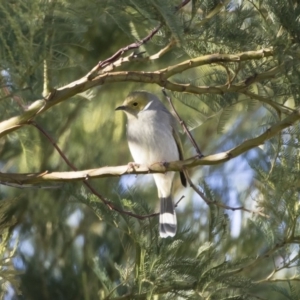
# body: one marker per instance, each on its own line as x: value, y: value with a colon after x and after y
x: 58, y: 241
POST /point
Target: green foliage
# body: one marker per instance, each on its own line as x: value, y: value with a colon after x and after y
x: 61, y: 241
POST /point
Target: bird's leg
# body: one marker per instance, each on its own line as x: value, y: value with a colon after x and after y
x: 164, y: 164
x: 132, y: 166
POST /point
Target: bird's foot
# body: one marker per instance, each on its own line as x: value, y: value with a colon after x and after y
x: 164, y: 164
x: 132, y: 166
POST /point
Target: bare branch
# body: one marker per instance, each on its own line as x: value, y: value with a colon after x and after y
x: 10, y: 94
x: 214, y: 159
x: 213, y: 12
x: 192, y: 185
x: 137, y: 57
x: 219, y: 204
x: 31, y: 186
x: 215, y: 58
x: 120, y: 52
x: 263, y: 256
x: 108, y: 203
x: 158, y: 77
x: 279, y: 280
x: 107, y: 62
x: 182, y: 123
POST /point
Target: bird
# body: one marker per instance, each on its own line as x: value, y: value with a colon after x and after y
x: 153, y: 137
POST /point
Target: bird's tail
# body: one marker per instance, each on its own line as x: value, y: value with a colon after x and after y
x: 167, y: 218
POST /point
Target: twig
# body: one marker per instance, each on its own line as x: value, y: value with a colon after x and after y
x: 182, y: 4
x: 114, y: 57
x: 263, y: 256
x: 270, y: 280
x: 107, y: 62
x: 176, y: 204
x: 163, y: 51
x: 224, y: 206
x: 182, y: 123
x: 158, y: 77
x: 108, y: 203
x: 236, y: 71
x: 54, y: 145
x: 277, y: 106
x: 31, y: 186
x: 137, y: 57
x: 9, y: 94
x: 209, y: 160
x: 259, y: 11
x: 136, y: 45
x: 229, y: 80
x: 207, y: 201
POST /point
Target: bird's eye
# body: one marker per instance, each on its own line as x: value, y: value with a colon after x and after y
x: 135, y: 104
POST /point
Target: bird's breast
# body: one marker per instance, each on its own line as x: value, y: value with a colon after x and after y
x: 151, y: 140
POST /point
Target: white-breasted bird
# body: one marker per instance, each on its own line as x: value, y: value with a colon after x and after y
x: 153, y: 137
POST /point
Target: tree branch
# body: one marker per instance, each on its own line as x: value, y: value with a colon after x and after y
x: 137, y: 57
x: 214, y: 159
x: 108, y: 203
x: 277, y: 106
x: 216, y: 58
x: 219, y: 204
x: 192, y: 185
x: 158, y: 77
x: 182, y: 123
x: 267, y: 280
x: 109, y: 61
x: 120, y: 52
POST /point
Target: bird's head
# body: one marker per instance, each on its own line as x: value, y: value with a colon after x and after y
x: 136, y: 102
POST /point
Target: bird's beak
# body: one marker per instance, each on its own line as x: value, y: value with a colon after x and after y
x: 122, y: 107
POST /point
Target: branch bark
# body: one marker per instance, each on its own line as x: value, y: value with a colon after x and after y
x: 214, y: 159
x: 159, y: 77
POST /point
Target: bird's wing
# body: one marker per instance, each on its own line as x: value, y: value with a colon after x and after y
x: 180, y: 152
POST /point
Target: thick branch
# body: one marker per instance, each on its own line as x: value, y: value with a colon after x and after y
x: 158, y: 77
x: 15, y: 122
x: 215, y: 58
x: 214, y: 159
x: 81, y: 85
